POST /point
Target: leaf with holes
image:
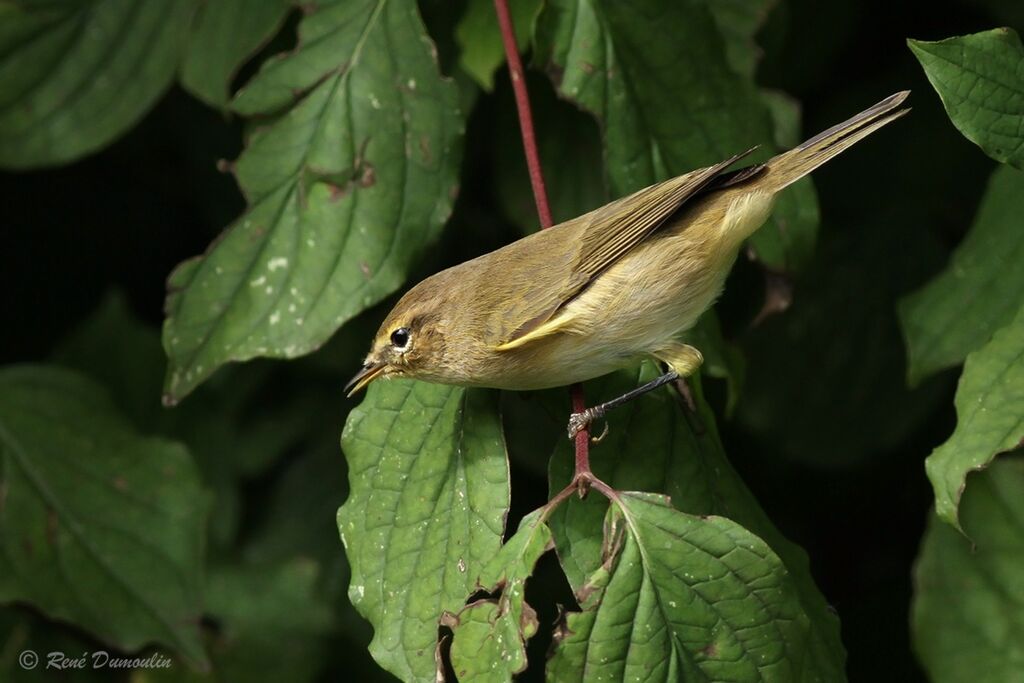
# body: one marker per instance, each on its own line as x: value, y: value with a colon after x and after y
x: 429, y: 488
x: 225, y: 35
x: 980, y: 79
x: 679, y: 597
x: 75, y: 76
x: 979, y: 291
x: 489, y: 635
x: 99, y: 526
x: 990, y: 416
x: 667, y: 106
x: 655, y: 444
x: 967, y: 615
x: 352, y: 177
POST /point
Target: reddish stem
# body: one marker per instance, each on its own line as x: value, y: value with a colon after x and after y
x: 515, y: 70
x: 583, y: 476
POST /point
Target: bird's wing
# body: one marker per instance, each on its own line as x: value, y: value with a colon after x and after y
x: 612, y: 232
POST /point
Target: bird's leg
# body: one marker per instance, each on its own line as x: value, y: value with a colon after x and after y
x: 682, y: 360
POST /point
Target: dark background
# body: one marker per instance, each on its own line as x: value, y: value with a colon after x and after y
x: 827, y: 434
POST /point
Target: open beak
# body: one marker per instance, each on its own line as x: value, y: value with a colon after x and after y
x: 368, y: 373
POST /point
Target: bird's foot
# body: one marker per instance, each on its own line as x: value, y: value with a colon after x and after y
x: 580, y: 421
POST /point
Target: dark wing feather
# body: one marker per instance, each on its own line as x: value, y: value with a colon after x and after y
x: 616, y: 229
x: 619, y: 227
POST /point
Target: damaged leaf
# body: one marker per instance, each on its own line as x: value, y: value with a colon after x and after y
x: 489, y: 635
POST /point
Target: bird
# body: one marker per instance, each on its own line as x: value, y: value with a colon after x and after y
x: 594, y: 294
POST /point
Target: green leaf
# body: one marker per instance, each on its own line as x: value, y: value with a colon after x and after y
x: 968, y: 608
x: 738, y: 22
x: 99, y: 526
x: 429, y: 488
x: 653, y: 446
x: 681, y: 597
x: 350, y: 181
x: 225, y: 34
x: 489, y: 635
x: 980, y: 290
x: 667, y: 106
x: 990, y: 416
x: 980, y: 80
x: 479, y: 37
x: 74, y: 77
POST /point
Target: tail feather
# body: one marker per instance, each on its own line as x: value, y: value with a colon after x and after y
x: 788, y: 167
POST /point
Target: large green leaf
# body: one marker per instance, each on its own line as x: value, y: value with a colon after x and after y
x: 681, y: 597
x: 968, y: 609
x: 981, y: 289
x: 348, y: 183
x: 489, y: 635
x: 653, y: 446
x: 429, y: 488
x: 980, y: 79
x: 666, y: 106
x: 99, y: 526
x: 75, y: 76
x: 225, y: 34
x: 990, y: 416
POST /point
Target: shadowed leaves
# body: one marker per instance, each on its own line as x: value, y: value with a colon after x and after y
x: 75, y: 76
x: 99, y: 526
x: 980, y: 290
x: 968, y: 609
x: 990, y: 416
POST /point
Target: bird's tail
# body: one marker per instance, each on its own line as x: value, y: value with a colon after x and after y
x: 788, y: 167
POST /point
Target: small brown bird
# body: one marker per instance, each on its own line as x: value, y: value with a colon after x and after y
x: 595, y: 293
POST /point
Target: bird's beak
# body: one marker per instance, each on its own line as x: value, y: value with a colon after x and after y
x: 366, y: 374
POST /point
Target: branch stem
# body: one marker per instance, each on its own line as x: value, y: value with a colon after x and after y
x: 583, y: 478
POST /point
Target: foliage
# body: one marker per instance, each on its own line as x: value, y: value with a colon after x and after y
x: 967, y: 608
x: 375, y: 142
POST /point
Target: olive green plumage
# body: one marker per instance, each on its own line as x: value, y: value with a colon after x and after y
x: 590, y: 295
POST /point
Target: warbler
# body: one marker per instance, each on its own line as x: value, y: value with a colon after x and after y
x: 591, y: 295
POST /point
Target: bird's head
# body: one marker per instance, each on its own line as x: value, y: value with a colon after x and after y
x: 411, y: 341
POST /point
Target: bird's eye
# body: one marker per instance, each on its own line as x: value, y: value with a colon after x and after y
x: 400, y: 338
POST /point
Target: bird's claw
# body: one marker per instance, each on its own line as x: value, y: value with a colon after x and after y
x: 580, y: 421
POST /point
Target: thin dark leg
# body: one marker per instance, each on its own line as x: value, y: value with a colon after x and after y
x: 578, y: 421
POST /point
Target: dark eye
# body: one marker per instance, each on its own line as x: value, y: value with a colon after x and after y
x: 400, y: 338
